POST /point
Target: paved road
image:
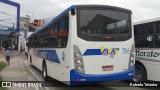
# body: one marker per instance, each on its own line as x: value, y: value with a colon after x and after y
x: 17, y: 71
x: 56, y: 85
x: 21, y: 70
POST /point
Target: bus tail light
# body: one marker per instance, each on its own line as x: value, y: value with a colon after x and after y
x: 78, y: 60
x: 131, y: 58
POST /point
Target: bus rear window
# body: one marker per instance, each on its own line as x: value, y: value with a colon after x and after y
x: 103, y: 22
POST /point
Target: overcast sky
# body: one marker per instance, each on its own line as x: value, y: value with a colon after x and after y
x: 142, y: 9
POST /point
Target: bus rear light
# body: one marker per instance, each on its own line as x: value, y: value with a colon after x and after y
x: 79, y: 68
x: 131, y: 58
x: 131, y: 64
x: 78, y: 60
x: 77, y: 55
x: 132, y: 52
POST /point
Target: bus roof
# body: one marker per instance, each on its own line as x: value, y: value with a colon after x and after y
x: 54, y: 19
x: 147, y: 21
x: 74, y: 7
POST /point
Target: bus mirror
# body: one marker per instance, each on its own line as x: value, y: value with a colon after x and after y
x: 73, y: 12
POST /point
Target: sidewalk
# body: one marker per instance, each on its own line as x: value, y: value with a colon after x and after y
x: 15, y: 71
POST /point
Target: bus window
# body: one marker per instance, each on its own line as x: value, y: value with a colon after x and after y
x: 157, y: 36
x: 51, y: 31
x: 63, y: 33
x: 158, y: 28
x: 157, y: 42
x: 144, y: 33
x: 52, y: 42
x: 56, y: 28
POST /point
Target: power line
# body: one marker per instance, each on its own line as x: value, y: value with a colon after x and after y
x: 44, y: 3
x: 6, y: 17
x: 3, y: 12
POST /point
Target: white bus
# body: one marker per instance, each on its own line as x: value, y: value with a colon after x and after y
x: 147, y: 42
x: 85, y: 44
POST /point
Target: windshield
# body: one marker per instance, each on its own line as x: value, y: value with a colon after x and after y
x: 103, y: 22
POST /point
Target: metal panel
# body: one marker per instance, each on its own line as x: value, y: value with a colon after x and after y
x: 18, y: 12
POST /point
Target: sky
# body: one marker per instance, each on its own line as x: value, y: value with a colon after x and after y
x: 39, y: 9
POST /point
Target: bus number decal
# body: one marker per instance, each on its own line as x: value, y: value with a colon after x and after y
x: 126, y: 51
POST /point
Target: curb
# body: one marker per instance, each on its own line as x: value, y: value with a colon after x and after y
x: 46, y: 88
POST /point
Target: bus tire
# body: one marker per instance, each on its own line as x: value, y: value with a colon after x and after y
x: 30, y: 59
x: 44, y: 70
x: 140, y: 72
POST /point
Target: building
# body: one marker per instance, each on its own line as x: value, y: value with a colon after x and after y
x: 9, y: 22
x: 26, y: 28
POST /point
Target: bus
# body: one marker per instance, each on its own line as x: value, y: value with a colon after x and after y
x: 85, y: 44
x: 147, y: 51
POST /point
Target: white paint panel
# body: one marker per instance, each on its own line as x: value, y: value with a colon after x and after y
x: 151, y: 60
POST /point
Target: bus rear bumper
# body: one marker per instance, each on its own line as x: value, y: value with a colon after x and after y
x: 81, y: 79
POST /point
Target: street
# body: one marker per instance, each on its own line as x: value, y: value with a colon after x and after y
x: 21, y: 70
x: 56, y: 85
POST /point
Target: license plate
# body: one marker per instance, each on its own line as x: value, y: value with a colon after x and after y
x: 107, y: 68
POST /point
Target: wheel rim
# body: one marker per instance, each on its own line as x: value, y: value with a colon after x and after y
x: 139, y: 76
x: 44, y: 71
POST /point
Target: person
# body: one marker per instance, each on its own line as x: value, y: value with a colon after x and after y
x: 8, y: 55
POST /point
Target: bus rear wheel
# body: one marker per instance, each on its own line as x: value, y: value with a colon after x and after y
x: 141, y: 74
x: 44, y: 69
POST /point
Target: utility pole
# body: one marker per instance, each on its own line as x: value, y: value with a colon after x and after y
x: 12, y: 39
x: 28, y: 21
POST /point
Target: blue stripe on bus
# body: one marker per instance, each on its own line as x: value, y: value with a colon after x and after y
x: 92, y: 52
x: 75, y: 77
x: 50, y: 55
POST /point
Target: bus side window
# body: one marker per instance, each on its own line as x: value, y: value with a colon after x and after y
x: 63, y: 32
x: 144, y: 33
x: 59, y: 42
x: 157, y: 36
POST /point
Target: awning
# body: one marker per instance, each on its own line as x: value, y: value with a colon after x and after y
x: 7, y: 32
